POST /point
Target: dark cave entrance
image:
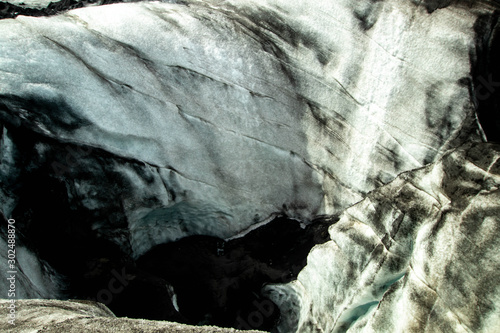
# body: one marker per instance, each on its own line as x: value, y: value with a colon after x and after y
x: 486, y: 75
x: 219, y: 283
x: 198, y: 280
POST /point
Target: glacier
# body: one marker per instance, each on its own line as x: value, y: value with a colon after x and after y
x: 216, y: 141
x: 128, y: 126
x: 416, y: 255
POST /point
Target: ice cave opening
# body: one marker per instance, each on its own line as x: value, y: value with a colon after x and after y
x: 199, y: 280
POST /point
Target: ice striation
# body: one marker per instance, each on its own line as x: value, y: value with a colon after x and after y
x: 128, y: 126
x: 416, y: 255
x: 207, y: 118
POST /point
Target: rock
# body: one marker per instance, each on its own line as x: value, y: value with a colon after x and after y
x: 79, y: 316
x: 416, y: 255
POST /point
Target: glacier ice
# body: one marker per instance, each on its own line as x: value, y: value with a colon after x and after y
x: 133, y: 125
x: 416, y: 255
x: 185, y: 94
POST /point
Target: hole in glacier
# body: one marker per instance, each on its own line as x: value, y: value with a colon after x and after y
x: 218, y: 282
x: 486, y: 75
x: 212, y: 281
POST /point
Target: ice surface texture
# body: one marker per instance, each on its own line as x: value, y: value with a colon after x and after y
x: 417, y: 255
x: 208, y: 118
x: 142, y: 123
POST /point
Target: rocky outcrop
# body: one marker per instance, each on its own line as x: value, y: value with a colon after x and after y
x: 82, y: 316
x: 417, y: 255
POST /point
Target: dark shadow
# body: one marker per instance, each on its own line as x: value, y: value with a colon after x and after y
x: 209, y: 280
x: 486, y: 75
x: 219, y: 283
